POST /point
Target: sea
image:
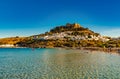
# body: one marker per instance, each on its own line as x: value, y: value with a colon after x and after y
x: 58, y: 63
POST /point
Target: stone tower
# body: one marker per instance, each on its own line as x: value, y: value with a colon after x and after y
x: 75, y: 25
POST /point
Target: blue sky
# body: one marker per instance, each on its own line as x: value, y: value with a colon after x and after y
x: 29, y: 17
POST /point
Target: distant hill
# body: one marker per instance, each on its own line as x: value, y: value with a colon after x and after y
x: 12, y: 40
x: 69, y: 29
x: 69, y: 35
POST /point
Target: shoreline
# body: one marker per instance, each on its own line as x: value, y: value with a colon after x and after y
x: 108, y: 50
x: 14, y: 47
x: 117, y: 50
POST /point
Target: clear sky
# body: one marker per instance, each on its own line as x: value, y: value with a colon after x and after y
x: 29, y: 17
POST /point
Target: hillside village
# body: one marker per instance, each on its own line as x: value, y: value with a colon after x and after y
x: 64, y: 35
x: 72, y: 36
x: 69, y: 35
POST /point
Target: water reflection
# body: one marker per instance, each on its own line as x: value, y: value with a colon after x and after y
x: 58, y: 64
x: 77, y: 64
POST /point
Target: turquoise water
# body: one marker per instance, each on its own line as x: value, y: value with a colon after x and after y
x: 26, y: 63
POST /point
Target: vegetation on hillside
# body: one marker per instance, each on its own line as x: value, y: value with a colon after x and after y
x: 75, y: 30
x: 68, y: 43
x: 12, y: 40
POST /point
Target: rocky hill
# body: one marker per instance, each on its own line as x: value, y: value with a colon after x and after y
x: 71, y: 31
x: 11, y: 40
x: 69, y: 35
